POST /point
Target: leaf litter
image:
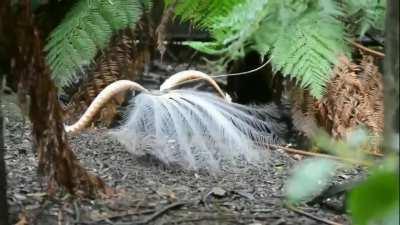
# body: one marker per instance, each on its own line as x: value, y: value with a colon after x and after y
x: 147, y: 191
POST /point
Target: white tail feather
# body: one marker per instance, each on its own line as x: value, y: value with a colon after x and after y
x: 196, y: 130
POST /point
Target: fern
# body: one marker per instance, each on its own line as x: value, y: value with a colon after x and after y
x: 303, y: 37
x: 233, y: 33
x: 307, y: 49
x: 365, y: 14
x: 202, y: 13
x: 87, y: 28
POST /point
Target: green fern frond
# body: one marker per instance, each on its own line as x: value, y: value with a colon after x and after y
x: 307, y: 49
x: 303, y: 37
x: 87, y: 28
x: 365, y: 14
x: 202, y: 13
x: 233, y: 32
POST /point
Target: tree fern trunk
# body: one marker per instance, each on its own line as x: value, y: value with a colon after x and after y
x: 57, y: 162
x: 391, y: 77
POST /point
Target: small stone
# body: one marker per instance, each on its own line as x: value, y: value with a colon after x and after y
x: 20, y: 197
x: 217, y: 191
x: 344, y: 177
x: 298, y: 157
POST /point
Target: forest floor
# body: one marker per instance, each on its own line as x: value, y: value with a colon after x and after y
x: 150, y: 193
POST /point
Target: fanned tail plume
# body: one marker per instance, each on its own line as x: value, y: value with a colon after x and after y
x: 198, y: 130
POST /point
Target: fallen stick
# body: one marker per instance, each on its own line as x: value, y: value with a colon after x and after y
x: 366, y: 49
x: 311, y: 216
x: 160, y: 212
x: 326, y: 156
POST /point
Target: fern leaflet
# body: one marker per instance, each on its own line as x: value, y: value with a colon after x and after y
x: 203, y: 13
x: 87, y: 28
x: 303, y: 37
x: 365, y: 14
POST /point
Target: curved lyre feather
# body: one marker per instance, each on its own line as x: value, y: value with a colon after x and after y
x: 187, y: 75
x: 104, y: 96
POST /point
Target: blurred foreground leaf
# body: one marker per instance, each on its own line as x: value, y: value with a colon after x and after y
x: 377, y: 199
x: 309, y: 178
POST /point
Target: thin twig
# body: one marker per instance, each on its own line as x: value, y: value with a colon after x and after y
x: 160, y: 212
x: 204, y: 218
x: 375, y: 154
x: 118, y: 215
x: 249, y: 72
x: 309, y: 215
x: 161, y: 29
x: 234, y: 218
x: 191, y: 59
x: 326, y: 156
x: 77, y: 211
x: 60, y: 216
x: 366, y: 49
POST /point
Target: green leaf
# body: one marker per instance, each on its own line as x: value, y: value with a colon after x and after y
x: 206, y: 47
x: 392, y: 217
x: 376, y: 198
x: 365, y: 14
x: 309, y: 178
x: 308, y: 48
x: 86, y: 29
x: 304, y: 38
x: 203, y: 13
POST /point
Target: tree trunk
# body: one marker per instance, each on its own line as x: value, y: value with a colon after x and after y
x: 57, y: 163
x: 3, y: 174
x: 391, y: 77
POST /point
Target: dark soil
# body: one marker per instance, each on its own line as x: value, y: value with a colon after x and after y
x: 148, y: 192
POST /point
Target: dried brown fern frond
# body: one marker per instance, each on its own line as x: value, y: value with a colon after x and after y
x: 336, y: 109
x: 125, y: 58
x: 303, y: 112
x: 354, y: 98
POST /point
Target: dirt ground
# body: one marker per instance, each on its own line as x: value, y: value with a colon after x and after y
x: 150, y: 193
